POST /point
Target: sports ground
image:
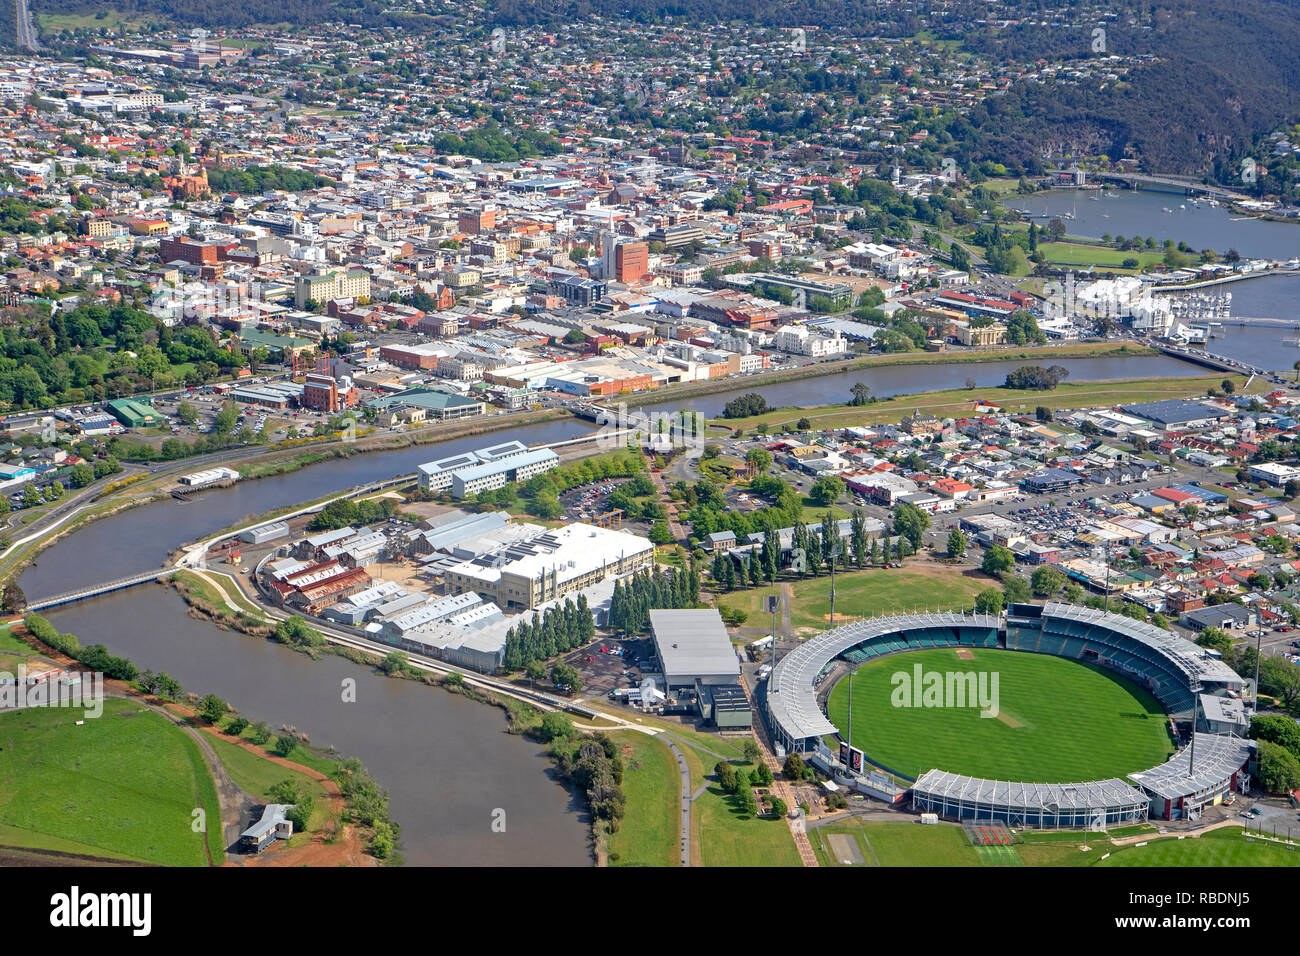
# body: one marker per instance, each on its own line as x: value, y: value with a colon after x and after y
x: 1059, y: 721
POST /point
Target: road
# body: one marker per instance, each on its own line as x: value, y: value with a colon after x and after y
x: 26, y: 28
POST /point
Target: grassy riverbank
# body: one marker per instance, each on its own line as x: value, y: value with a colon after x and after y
x: 975, y: 356
x: 958, y: 401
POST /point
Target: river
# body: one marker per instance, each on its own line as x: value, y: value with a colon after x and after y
x: 1169, y: 216
x: 1143, y: 213
x: 891, y: 380
x: 446, y: 761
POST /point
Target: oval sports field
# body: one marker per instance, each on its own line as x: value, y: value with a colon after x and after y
x: 1059, y: 721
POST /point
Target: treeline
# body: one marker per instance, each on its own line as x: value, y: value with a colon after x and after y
x: 254, y: 180
x: 346, y: 511
x: 98, y: 352
x: 818, y: 546
x: 494, y: 145
x: 94, y: 656
x: 745, y: 405
x: 542, y: 492
x: 592, y: 764
x: 707, y: 505
x: 646, y: 591
x: 1036, y: 378
x: 557, y: 631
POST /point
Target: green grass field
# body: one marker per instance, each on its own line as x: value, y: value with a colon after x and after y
x: 13, y: 645
x: 896, y: 844
x: 730, y: 839
x: 1059, y: 721
x: 862, y: 594
x: 256, y: 776
x: 1227, y: 847
x: 125, y: 784
x: 649, y: 831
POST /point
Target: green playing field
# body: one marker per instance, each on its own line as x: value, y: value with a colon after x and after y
x: 1057, y: 721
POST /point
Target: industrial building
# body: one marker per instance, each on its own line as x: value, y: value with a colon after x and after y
x: 692, y: 645
x: 134, y: 412
x: 699, y: 663
x: 548, y: 564
x: 264, y: 533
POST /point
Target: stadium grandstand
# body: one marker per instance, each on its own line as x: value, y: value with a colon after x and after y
x: 1063, y: 806
x: 1172, y: 669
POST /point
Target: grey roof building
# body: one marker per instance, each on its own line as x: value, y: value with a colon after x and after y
x: 693, y: 645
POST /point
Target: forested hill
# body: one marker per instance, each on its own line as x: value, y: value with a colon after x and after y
x: 238, y: 13
x: 1215, y: 77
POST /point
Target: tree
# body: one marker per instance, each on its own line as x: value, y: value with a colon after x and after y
x: 659, y: 533
x: 555, y: 725
x: 997, y: 560
x: 1277, y: 729
x: 187, y: 413
x: 989, y: 601
x: 1279, y: 770
x: 212, y: 708
x: 751, y: 750
x: 793, y: 767
x: 778, y: 807
x: 14, y: 599
x: 1228, y: 386
x: 956, y: 544
x: 1047, y: 580
x: 826, y: 490
x: 911, y: 522
x: 759, y: 460
x: 284, y: 745
x: 861, y: 394
x: 1014, y: 588
x: 726, y: 775
x: 226, y: 418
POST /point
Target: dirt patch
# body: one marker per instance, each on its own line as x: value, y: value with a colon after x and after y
x: 965, y: 654
x: 1009, y: 720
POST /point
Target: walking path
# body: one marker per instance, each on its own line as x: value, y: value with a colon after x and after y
x: 685, y: 821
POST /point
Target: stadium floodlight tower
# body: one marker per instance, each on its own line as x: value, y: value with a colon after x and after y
x: 836, y: 550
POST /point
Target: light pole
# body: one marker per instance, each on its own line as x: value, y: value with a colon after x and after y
x: 835, y: 553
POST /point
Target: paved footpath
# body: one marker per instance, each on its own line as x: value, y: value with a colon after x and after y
x: 782, y: 787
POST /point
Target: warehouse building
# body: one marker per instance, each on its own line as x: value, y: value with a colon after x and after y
x: 692, y: 645
x: 264, y: 533
x: 550, y: 564
x: 135, y: 413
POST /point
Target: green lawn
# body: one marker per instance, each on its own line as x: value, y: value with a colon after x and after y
x: 898, y: 844
x: 862, y: 594
x: 126, y: 783
x: 1227, y: 847
x: 1085, y: 254
x: 1059, y: 721
x: 12, y: 645
x: 729, y: 839
x: 255, y: 776
x: 649, y: 832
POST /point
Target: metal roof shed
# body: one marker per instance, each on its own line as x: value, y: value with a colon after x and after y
x: 693, y: 644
